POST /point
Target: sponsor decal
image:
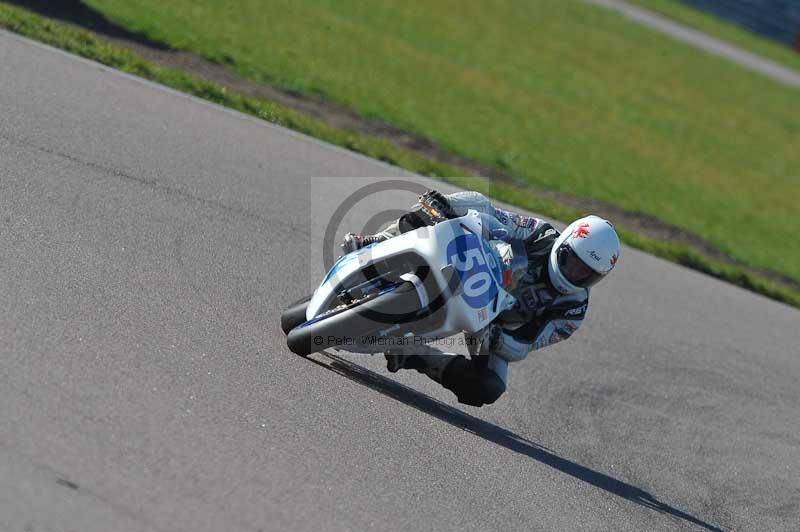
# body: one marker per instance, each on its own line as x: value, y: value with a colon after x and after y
x: 576, y: 311
x: 544, y: 235
x: 582, y: 231
x: 595, y: 256
x: 483, y: 314
x: 569, y: 328
x: 508, y: 275
x: 524, y: 221
x: 614, y: 259
x: 501, y: 215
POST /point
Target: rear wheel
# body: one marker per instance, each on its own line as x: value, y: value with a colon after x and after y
x: 342, y: 326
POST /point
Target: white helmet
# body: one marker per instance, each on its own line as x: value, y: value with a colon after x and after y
x: 583, y: 254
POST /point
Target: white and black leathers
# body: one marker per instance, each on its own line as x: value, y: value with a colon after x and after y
x: 542, y: 316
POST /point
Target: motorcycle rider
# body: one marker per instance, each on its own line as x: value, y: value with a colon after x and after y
x: 552, y: 293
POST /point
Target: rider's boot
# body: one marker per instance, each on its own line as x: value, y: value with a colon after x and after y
x: 397, y: 359
x: 432, y: 365
x: 433, y: 207
x: 353, y: 242
x: 470, y: 380
x: 408, y: 222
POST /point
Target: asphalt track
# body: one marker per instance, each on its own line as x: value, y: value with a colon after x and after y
x: 148, y: 242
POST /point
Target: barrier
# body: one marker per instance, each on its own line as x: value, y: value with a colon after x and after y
x: 776, y: 19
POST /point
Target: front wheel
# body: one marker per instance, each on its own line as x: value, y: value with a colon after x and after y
x: 294, y: 315
x: 343, y: 326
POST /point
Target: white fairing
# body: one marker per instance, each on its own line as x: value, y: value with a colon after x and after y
x: 458, y: 243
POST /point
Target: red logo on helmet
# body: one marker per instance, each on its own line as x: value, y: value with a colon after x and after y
x: 582, y: 231
x: 614, y: 259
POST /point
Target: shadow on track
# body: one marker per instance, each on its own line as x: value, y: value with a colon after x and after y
x: 79, y: 14
x: 498, y: 435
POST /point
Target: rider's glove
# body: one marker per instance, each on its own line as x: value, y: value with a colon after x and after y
x: 433, y: 207
x: 439, y: 202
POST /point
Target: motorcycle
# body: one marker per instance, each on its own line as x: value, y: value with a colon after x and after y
x: 424, y: 285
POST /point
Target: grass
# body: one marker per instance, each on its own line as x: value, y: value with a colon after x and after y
x: 718, y: 27
x: 85, y: 44
x: 564, y: 95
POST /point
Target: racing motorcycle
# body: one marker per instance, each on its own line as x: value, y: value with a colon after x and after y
x: 452, y: 276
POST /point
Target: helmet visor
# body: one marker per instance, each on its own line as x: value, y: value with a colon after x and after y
x: 574, y: 269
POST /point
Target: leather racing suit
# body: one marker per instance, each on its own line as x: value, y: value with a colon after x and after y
x: 541, y: 317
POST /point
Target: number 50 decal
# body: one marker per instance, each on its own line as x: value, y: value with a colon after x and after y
x: 478, y: 278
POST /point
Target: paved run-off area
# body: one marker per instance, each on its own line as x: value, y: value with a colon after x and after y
x: 149, y: 241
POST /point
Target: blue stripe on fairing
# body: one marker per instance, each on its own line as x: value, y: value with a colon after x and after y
x: 345, y: 259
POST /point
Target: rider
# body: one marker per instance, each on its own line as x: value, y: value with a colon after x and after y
x: 552, y: 295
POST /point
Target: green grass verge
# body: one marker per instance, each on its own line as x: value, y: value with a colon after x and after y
x: 85, y: 44
x: 713, y: 25
x: 562, y: 94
